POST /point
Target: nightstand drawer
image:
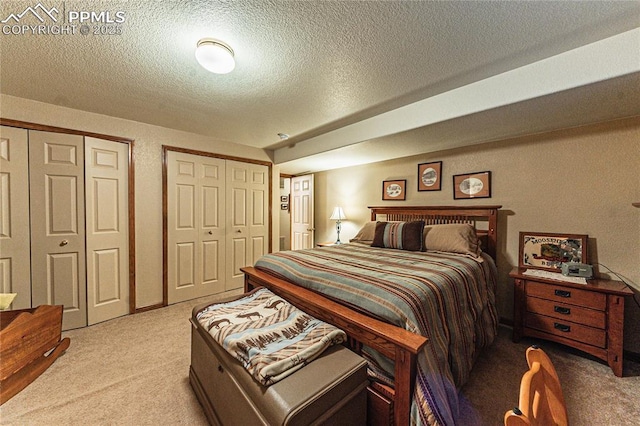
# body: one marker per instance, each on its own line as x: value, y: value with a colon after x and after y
x: 566, y: 312
x: 567, y: 329
x: 573, y: 296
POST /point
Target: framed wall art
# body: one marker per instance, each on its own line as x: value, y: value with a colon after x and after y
x: 394, y: 189
x: 430, y: 176
x: 540, y: 250
x: 472, y: 185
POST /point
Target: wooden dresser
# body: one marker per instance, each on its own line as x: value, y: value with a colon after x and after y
x: 586, y: 317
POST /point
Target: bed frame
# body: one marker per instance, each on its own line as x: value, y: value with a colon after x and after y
x: 385, y: 405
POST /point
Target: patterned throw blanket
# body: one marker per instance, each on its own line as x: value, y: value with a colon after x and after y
x: 446, y: 297
x: 268, y: 335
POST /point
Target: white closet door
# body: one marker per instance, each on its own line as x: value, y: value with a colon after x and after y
x: 302, y: 220
x: 248, y: 218
x: 107, y: 227
x: 196, y: 226
x: 56, y: 170
x: 15, y: 247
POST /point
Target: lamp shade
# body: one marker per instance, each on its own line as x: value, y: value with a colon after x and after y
x: 215, y: 56
x: 338, y: 214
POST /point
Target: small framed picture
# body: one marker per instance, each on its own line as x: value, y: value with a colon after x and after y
x: 430, y: 176
x: 540, y: 250
x: 472, y: 185
x: 284, y: 206
x: 284, y: 198
x: 394, y: 189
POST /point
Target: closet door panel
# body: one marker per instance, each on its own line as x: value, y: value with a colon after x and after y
x: 211, y: 235
x: 259, y: 228
x: 185, y: 267
x: 195, y: 226
x: 247, y: 189
x: 210, y: 265
x: 106, y: 180
x: 237, y: 223
x: 15, y: 247
x: 258, y: 245
x: 238, y: 260
x: 56, y: 171
x: 237, y: 229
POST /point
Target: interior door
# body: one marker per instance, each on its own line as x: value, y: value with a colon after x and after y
x: 15, y: 247
x: 58, y: 276
x: 107, y: 228
x: 302, y: 221
x: 248, y: 218
x: 196, y: 226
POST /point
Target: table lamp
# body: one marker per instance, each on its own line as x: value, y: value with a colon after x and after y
x: 338, y: 215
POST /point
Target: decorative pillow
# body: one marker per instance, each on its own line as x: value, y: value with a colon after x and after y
x: 453, y: 237
x: 399, y: 235
x: 365, y: 235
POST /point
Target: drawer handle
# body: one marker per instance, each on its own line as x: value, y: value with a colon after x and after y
x: 563, y: 293
x: 561, y: 310
x: 561, y: 327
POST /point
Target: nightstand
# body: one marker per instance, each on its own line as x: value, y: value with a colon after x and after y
x: 586, y: 317
x: 325, y: 244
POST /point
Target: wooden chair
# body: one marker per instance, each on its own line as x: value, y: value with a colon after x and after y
x: 541, y: 399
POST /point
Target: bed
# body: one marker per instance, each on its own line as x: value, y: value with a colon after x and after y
x: 405, y: 386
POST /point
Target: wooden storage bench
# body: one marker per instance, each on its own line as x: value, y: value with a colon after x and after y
x: 329, y: 390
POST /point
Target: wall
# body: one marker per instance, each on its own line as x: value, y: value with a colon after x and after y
x: 580, y: 181
x: 148, y: 174
x: 285, y: 215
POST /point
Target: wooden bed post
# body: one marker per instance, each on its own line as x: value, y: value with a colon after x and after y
x: 405, y: 373
x: 492, y: 239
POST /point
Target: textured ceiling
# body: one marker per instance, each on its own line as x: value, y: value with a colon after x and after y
x: 307, y: 68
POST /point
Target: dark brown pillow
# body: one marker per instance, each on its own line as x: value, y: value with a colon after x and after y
x: 399, y: 235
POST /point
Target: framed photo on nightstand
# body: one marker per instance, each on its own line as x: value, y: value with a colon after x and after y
x: 541, y: 250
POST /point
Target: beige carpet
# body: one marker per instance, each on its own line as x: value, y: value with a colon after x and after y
x: 134, y: 371
x: 594, y: 396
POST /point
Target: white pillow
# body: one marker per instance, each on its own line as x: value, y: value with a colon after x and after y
x: 452, y: 237
x: 365, y: 234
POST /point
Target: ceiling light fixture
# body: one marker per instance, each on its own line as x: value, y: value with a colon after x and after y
x: 215, y: 56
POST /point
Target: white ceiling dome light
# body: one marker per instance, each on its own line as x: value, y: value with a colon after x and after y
x: 215, y: 56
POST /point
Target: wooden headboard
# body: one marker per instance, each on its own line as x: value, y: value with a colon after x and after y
x: 483, y: 218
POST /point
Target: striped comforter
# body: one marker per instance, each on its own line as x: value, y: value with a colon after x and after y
x: 449, y: 298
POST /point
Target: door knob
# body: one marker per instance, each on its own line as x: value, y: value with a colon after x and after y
x: 238, y: 231
x: 210, y: 232
x: 64, y: 243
